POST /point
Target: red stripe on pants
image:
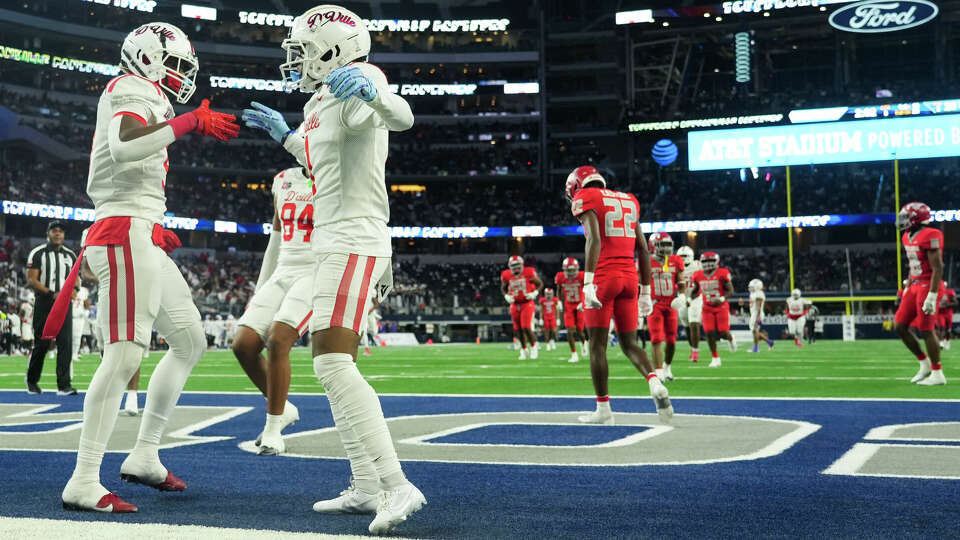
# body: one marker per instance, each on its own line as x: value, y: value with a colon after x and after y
x: 303, y: 322
x: 112, y: 263
x: 131, y: 299
x: 364, y: 290
x: 341, y: 304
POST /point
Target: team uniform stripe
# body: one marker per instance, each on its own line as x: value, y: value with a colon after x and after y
x: 131, y: 291
x: 112, y: 318
x: 340, y: 307
x: 115, y: 81
x: 301, y: 328
x: 364, y: 291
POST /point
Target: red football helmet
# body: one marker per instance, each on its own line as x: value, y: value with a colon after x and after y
x: 913, y: 215
x: 581, y: 176
x: 571, y: 267
x: 548, y: 293
x: 515, y: 264
x: 709, y: 261
x: 661, y: 244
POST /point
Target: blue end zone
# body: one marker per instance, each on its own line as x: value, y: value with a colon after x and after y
x: 784, y: 496
x: 540, y: 435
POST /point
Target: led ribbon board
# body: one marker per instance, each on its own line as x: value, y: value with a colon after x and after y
x: 835, y: 142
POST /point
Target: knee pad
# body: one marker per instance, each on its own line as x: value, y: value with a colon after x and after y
x: 188, y: 343
x: 326, y: 366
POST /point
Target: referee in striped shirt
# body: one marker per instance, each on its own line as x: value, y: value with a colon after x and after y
x: 48, y: 266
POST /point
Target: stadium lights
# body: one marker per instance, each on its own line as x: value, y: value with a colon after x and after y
x: 390, y: 25
x: 136, y: 5
x: 741, y: 42
x: 634, y: 17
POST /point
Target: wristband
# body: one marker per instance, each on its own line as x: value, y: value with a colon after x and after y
x: 588, y: 278
x: 183, y: 124
x: 285, y: 135
x: 645, y: 290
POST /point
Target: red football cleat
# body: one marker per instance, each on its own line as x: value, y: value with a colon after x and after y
x: 172, y: 483
x: 109, y: 503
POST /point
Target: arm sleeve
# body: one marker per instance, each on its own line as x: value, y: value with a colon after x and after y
x: 296, y: 144
x: 269, y: 260
x: 139, y: 148
x: 386, y: 111
x: 34, y: 261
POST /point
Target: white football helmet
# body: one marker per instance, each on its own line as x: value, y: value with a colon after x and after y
x: 162, y: 53
x: 795, y: 294
x: 755, y: 285
x: 515, y: 264
x: 321, y: 40
x: 686, y: 253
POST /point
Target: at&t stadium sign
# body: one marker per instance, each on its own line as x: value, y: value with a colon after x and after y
x: 874, y: 16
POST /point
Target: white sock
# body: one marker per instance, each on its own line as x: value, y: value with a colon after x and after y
x: 132, y: 402
x: 274, y: 424
x: 120, y: 361
x: 365, y: 475
x: 603, y: 406
x: 925, y: 364
x: 166, y: 383
x: 360, y: 406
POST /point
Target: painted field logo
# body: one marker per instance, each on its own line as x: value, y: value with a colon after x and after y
x: 875, y: 16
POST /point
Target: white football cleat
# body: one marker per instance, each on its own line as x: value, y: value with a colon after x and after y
x: 271, y: 445
x: 936, y: 378
x: 350, y: 501
x: 574, y: 358
x: 715, y: 362
x: 597, y: 417
x: 667, y: 373
x: 129, y: 411
x: 523, y: 354
x: 732, y: 343
x: 535, y: 352
x: 922, y: 373
x: 661, y: 398
x: 290, y: 417
x: 395, y: 506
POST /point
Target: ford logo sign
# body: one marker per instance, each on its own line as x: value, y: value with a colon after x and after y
x: 874, y: 16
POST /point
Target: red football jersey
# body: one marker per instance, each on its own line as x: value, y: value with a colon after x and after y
x: 916, y: 245
x: 712, y: 286
x: 518, y: 286
x: 665, y: 278
x: 617, y: 214
x: 548, y: 306
x: 570, y: 289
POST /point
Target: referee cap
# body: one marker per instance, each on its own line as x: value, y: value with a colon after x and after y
x: 55, y: 224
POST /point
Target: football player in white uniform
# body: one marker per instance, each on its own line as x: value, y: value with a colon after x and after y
x: 79, y: 306
x: 140, y: 286
x: 26, y: 321
x: 757, y: 300
x: 279, y: 312
x: 690, y: 311
x: 343, y: 144
x: 372, y: 327
x: 796, y: 316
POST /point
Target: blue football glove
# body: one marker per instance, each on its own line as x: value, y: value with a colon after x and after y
x: 267, y: 119
x: 348, y: 81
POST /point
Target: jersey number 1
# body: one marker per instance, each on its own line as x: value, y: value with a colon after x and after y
x: 304, y: 221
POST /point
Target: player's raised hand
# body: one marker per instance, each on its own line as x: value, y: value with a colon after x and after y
x: 590, y: 300
x: 267, y: 119
x: 348, y: 81
x: 215, y: 124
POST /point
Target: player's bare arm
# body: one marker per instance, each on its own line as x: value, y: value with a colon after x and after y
x: 727, y: 292
x: 591, y: 232
x: 644, y: 255
x: 935, y: 257
x: 33, y: 279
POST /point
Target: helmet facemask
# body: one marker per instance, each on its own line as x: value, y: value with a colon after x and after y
x: 664, y: 248
x: 180, y: 76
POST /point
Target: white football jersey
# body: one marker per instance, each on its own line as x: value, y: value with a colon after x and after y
x: 26, y: 313
x: 14, y: 324
x: 687, y: 275
x: 133, y: 188
x: 344, y: 146
x: 754, y: 310
x: 79, y: 311
x: 293, y: 197
x: 795, y: 305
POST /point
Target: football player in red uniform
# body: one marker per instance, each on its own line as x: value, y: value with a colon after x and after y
x: 924, y: 247
x: 549, y: 304
x: 945, y: 315
x: 614, y: 244
x: 715, y: 284
x: 570, y: 284
x: 521, y: 286
x: 666, y: 269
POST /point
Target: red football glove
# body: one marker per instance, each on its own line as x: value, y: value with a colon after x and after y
x: 165, y: 239
x: 215, y: 124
